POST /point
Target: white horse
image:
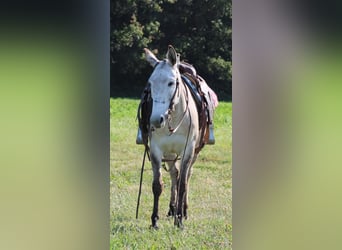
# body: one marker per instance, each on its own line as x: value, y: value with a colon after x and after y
x: 174, y: 134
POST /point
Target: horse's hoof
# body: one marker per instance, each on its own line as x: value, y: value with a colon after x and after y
x: 155, y: 227
x: 178, y: 222
x: 171, y: 211
x: 180, y: 225
x: 154, y: 219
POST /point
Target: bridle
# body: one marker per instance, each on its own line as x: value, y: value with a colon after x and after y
x: 171, y: 108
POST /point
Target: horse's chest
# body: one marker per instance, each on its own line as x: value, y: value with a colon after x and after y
x: 171, y: 144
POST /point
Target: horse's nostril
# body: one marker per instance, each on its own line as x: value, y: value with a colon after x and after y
x: 161, y: 119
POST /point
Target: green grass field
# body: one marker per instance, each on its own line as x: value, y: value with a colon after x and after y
x: 209, y: 224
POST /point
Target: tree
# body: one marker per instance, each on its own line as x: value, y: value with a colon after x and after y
x: 199, y: 30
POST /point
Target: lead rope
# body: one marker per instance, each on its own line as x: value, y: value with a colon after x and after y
x: 186, y: 143
x: 141, y: 177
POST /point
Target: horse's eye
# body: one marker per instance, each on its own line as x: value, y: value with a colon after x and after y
x: 170, y: 84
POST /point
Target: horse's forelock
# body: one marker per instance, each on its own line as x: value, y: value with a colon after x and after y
x: 162, y: 64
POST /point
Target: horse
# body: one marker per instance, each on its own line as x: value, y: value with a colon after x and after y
x: 175, y: 134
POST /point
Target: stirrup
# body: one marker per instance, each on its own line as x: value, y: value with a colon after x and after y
x: 211, y: 139
x: 139, y: 139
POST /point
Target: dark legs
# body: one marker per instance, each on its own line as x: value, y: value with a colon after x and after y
x: 186, y: 198
x: 174, y: 180
x: 157, y: 188
x: 179, y: 190
x: 182, y: 202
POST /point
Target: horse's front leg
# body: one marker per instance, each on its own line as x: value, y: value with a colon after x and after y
x: 173, y: 197
x: 157, y: 188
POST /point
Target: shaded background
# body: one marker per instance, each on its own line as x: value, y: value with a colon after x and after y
x: 201, y: 31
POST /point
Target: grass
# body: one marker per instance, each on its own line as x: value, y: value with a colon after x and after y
x: 210, y: 199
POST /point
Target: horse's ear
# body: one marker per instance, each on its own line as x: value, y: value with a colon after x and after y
x: 150, y: 57
x: 171, y: 55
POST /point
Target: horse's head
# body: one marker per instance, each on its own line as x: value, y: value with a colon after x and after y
x: 164, y: 85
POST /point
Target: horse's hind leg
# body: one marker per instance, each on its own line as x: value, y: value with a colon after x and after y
x: 183, y: 178
x: 174, y: 178
x: 157, y: 188
x: 186, y: 198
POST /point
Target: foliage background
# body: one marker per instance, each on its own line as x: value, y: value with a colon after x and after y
x: 201, y: 31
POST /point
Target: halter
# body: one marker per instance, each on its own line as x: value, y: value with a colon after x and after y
x: 171, y: 108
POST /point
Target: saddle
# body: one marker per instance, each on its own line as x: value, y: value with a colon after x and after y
x: 198, y: 88
x: 205, y: 107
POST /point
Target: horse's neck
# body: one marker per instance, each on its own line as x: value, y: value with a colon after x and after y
x: 183, y: 99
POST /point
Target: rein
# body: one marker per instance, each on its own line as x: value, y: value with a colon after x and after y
x: 186, y: 144
x: 141, y: 177
x: 173, y: 130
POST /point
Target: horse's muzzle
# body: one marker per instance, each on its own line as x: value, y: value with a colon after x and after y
x: 158, y: 121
